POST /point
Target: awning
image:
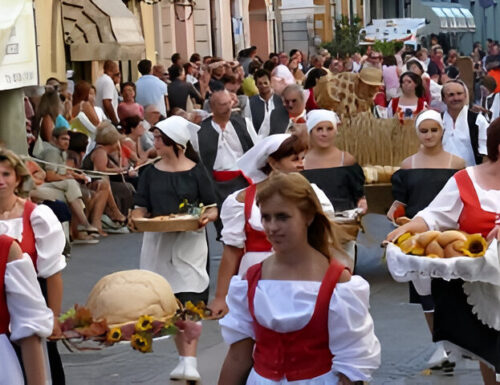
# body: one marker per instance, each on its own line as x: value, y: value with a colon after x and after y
x: 460, y: 18
x: 442, y: 17
x: 101, y: 30
x: 452, y: 22
x: 469, y: 18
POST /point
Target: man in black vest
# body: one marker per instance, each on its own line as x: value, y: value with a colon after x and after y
x: 267, y: 108
x: 464, y: 130
x: 222, y: 140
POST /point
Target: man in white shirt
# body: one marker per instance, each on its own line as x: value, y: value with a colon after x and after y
x: 151, y: 117
x: 295, y: 103
x: 221, y: 140
x: 267, y: 108
x: 106, y: 93
x: 150, y: 89
x: 464, y: 130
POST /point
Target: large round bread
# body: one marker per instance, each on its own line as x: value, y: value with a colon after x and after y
x: 123, y: 297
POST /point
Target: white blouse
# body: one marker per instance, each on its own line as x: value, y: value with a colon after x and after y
x: 233, y: 219
x: 29, y: 315
x: 286, y: 306
x: 444, y: 211
x: 49, y: 239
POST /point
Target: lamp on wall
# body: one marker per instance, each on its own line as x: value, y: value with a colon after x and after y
x: 179, y: 4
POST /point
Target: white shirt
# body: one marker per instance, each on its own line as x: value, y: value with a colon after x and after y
x: 456, y: 138
x: 191, y: 79
x: 445, y: 209
x: 105, y: 89
x: 265, y: 127
x: 229, y: 148
x: 49, y: 239
x: 286, y: 306
x: 495, y: 107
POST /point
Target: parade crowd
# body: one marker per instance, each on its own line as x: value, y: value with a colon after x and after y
x: 252, y: 142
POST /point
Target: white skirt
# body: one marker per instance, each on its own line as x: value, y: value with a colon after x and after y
x: 180, y: 257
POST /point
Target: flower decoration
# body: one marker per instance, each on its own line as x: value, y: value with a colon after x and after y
x: 114, y: 335
x: 475, y: 246
x: 144, y: 323
x: 142, y: 342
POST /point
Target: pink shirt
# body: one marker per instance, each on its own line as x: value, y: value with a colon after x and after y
x: 130, y: 109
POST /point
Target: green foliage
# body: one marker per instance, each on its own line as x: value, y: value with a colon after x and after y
x: 386, y: 47
x: 346, y: 40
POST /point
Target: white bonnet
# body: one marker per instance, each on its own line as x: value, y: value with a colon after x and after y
x: 429, y: 115
x: 317, y: 116
x: 177, y: 128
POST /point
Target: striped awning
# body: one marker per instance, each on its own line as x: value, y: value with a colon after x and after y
x: 101, y: 30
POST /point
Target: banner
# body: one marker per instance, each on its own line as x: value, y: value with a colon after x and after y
x: 18, y: 54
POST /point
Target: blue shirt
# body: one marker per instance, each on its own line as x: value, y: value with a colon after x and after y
x: 151, y: 90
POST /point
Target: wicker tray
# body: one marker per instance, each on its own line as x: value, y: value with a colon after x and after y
x: 167, y: 224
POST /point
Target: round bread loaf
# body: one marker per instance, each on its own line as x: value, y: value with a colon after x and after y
x: 124, y: 296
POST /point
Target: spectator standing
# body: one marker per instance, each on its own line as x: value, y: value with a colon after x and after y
x: 248, y: 86
x: 412, y: 100
x: 267, y: 108
x: 374, y: 60
x: 46, y: 114
x: 436, y: 65
x: 180, y: 89
x: 150, y: 89
x: 464, y: 130
x: 129, y: 107
x: 391, y: 73
x: 106, y: 93
x: 160, y: 72
x: 83, y: 115
x: 190, y: 69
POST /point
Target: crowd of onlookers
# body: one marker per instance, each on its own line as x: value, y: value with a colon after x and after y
x: 105, y: 128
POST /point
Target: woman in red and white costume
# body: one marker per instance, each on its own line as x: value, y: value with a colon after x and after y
x: 41, y: 236
x: 299, y: 317
x: 470, y: 201
x: 24, y: 317
x: 245, y: 243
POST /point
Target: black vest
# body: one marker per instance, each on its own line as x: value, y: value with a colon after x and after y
x: 208, y: 140
x: 474, y: 135
x: 279, y: 115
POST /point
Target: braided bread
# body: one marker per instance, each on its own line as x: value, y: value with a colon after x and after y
x: 446, y: 244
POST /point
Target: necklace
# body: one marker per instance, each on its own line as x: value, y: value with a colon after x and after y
x: 5, y: 214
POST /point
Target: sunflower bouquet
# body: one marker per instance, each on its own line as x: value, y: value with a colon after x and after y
x: 78, y: 326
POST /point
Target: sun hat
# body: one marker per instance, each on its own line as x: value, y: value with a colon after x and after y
x: 254, y: 159
x: 178, y: 129
x: 371, y: 76
x: 317, y: 116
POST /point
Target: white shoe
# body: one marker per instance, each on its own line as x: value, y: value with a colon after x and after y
x: 178, y: 372
x: 439, y: 356
x: 190, y: 369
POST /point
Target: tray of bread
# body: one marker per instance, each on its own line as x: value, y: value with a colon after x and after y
x: 449, y: 255
x: 378, y: 174
x: 167, y: 223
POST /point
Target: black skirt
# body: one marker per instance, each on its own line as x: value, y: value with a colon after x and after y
x: 455, y: 322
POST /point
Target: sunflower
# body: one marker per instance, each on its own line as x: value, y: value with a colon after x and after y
x: 142, y: 343
x: 114, y: 335
x: 198, y: 310
x: 144, y: 323
x: 475, y: 246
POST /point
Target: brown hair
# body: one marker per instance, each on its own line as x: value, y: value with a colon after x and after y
x: 290, y: 146
x: 296, y: 188
x: 22, y: 173
x: 493, y: 139
x: 81, y: 94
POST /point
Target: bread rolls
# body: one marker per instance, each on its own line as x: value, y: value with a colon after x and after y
x: 446, y: 244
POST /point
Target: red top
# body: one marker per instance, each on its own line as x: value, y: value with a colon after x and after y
x: 301, y: 354
x: 5, y: 243
x: 28, y: 237
x: 473, y: 219
x: 255, y: 240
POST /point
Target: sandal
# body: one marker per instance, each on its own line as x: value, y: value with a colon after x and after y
x: 88, y: 229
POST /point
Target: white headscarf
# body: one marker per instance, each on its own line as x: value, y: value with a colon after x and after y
x: 317, y: 116
x: 429, y: 115
x: 178, y: 129
x: 254, y: 159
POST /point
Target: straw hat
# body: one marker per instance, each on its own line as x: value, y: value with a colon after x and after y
x: 371, y: 76
x: 107, y: 134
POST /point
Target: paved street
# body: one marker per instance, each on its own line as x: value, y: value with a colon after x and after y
x: 406, y: 343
